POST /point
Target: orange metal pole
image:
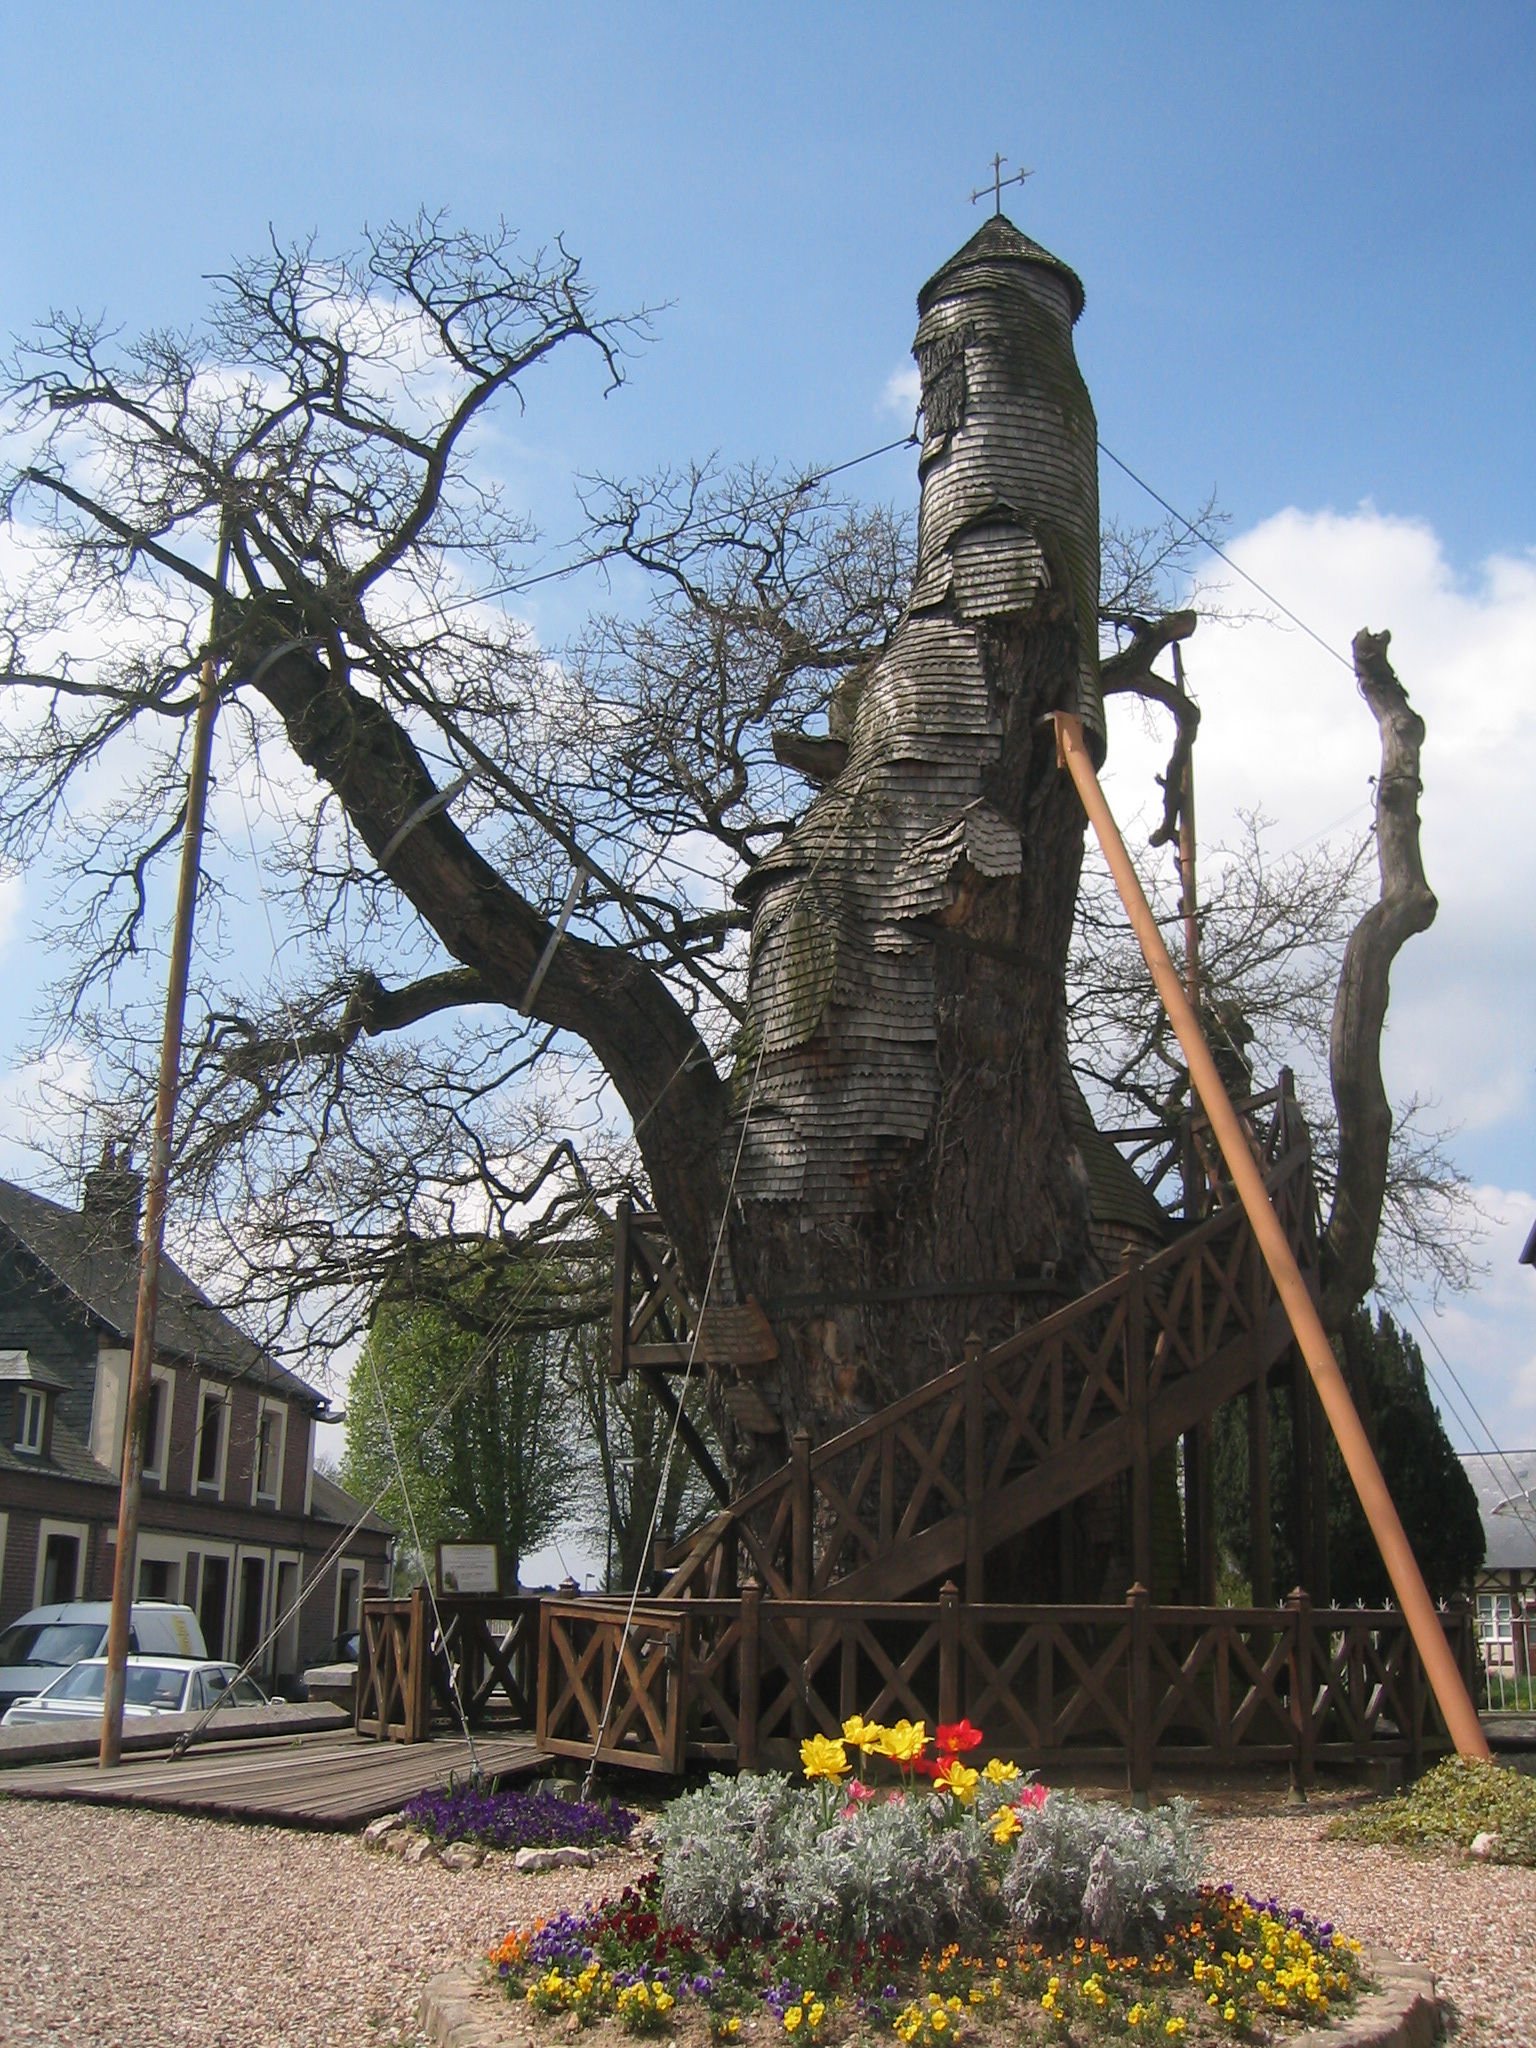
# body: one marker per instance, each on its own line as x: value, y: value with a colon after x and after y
x: 1397, y: 1554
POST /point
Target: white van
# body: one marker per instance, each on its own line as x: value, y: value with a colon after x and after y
x: 35, y: 1650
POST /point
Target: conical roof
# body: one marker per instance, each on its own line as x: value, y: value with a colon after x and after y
x: 999, y: 241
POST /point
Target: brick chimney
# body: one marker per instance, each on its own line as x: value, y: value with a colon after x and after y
x: 114, y: 1199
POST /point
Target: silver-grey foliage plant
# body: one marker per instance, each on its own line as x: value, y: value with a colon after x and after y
x: 749, y: 1855
x: 1091, y: 1867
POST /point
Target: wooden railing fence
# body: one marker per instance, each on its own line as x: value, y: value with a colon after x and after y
x: 739, y: 1683
x: 489, y: 1641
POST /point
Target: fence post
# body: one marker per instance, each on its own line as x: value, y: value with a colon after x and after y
x: 1415, y: 1707
x: 1304, y: 1733
x: 1140, y: 1697
x: 364, y: 1669
x: 949, y: 1651
x: 748, y: 1648
x: 800, y: 1513
x: 975, y: 1474
x: 418, y: 1689
x: 1136, y: 1401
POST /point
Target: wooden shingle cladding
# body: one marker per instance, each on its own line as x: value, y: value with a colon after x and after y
x: 850, y: 910
x: 68, y: 1290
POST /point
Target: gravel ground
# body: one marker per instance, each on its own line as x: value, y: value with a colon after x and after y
x: 1474, y: 1924
x: 132, y: 1930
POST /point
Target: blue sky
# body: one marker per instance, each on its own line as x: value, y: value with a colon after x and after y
x: 1306, y: 232
x: 1307, y: 236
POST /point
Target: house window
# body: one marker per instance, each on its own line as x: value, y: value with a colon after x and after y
x: 349, y: 1600
x: 251, y: 1611
x: 29, y: 1423
x: 159, y: 1579
x: 211, y: 1433
x: 269, y: 1453
x: 61, y: 1568
x: 157, y: 1427
x: 213, y: 1602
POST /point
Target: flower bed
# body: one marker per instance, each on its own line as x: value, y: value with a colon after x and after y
x: 535, y: 1819
x: 952, y: 1904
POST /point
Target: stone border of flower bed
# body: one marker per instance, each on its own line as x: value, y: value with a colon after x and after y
x: 466, y: 2008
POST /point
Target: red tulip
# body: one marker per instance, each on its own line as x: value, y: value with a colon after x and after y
x: 955, y: 1737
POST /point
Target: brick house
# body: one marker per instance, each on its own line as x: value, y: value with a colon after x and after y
x: 235, y: 1518
x: 1505, y: 1587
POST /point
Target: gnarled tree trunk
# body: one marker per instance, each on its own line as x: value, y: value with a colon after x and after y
x: 1406, y: 905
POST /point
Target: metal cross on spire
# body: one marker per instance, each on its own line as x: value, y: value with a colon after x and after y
x: 998, y: 183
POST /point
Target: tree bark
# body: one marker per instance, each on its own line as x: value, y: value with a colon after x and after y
x: 1405, y: 905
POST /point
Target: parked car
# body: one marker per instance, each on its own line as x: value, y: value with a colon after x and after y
x: 155, y: 1685
x: 44, y: 1643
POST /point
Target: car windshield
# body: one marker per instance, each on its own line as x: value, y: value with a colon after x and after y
x: 66, y: 1642
x: 148, y: 1685
x: 85, y: 1682
x: 16, y: 1642
x: 155, y: 1685
x: 242, y: 1693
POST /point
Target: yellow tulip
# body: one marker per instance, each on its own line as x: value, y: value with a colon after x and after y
x: 959, y: 1779
x: 999, y: 1773
x: 904, y: 1741
x: 863, y: 1735
x: 1006, y: 1826
x: 822, y: 1757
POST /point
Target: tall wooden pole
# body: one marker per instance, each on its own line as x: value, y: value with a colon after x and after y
x: 154, y: 1224
x: 1380, y: 1511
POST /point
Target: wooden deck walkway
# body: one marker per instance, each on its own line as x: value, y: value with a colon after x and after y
x: 333, y: 1780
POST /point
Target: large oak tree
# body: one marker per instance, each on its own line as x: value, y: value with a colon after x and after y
x: 750, y: 805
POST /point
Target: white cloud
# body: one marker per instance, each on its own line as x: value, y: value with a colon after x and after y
x: 10, y: 909
x: 1284, y: 730
x: 903, y: 389
x: 25, y: 1116
x: 1488, y: 1338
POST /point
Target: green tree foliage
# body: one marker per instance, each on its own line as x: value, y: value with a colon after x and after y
x: 1433, y: 1494
x: 496, y: 1470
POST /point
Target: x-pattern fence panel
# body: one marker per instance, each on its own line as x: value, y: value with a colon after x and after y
x: 411, y: 1676
x: 742, y: 1682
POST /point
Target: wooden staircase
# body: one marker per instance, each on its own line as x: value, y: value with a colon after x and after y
x: 927, y: 1487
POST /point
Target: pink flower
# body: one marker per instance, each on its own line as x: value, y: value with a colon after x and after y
x: 858, y: 1792
x: 1031, y: 1799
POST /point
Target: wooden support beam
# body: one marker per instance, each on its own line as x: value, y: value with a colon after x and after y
x: 1205, y: 1589
x: 1141, y: 1443
x: 618, y: 1353
x: 975, y: 1475
x: 1260, y: 1512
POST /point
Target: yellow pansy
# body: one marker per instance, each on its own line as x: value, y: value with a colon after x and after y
x: 1006, y: 1826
